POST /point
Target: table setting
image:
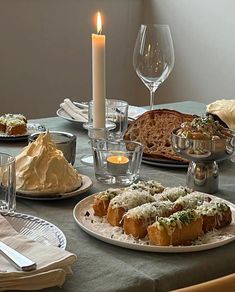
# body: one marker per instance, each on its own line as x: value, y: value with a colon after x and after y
x: 105, y: 190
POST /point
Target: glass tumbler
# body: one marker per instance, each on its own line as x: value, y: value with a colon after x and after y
x: 7, y: 183
x: 116, y: 117
x: 117, y: 162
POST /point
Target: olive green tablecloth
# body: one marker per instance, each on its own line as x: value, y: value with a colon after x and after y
x: 104, y: 267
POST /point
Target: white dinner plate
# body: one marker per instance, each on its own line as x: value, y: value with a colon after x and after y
x: 31, y: 128
x: 101, y: 229
x: 37, y: 229
x: 86, y: 185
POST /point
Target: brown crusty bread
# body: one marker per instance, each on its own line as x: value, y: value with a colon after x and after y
x: 153, y: 129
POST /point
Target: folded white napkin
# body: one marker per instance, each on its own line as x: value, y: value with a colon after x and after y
x: 53, y: 263
x: 73, y: 111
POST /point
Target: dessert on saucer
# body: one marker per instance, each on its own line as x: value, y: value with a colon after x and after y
x: 41, y: 168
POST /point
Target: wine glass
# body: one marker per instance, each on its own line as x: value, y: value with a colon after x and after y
x: 153, y: 57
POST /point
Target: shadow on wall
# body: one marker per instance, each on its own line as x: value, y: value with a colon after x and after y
x: 46, y: 52
x: 204, y: 48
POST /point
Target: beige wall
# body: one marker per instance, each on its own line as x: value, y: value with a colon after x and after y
x: 45, y: 52
x: 203, y: 33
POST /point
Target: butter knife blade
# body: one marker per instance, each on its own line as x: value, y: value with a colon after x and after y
x: 20, y: 261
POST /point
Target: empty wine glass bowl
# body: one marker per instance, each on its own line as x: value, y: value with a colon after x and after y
x: 153, y: 57
x: 203, y: 174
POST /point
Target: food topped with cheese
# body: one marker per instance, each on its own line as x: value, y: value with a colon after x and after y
x: 191, y: 201
x: 13, y: 124
x: 172, y: 194
x: 149, y: 210
x: 42, y: 168
x: 175, y: 220
x: 130, y: 199
x: 203, y: 128
x: 151, y: 186
x: 175, y: 216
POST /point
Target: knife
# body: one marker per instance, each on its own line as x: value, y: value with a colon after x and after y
x: 20, y: 261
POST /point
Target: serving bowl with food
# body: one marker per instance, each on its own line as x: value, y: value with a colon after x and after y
x: 203, y: 142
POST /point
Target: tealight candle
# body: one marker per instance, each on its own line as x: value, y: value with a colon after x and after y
x: 117, y: 164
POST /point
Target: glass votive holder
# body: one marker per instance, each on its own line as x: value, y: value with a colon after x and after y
x: 64, y: 141
x: 117, y: 162
x: 116, y: 113
x: 7, y: 183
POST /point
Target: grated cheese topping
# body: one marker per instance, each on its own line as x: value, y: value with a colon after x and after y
x: 109, y: 194
x: 215, y: 207
x: 131, y: 199
x: 150, y: 210
x: 176, y: 220
x: 192, y: 200
x: 172, y: 194
x: 151, y: 186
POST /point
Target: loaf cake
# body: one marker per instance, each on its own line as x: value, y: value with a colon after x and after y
x: 215, y: 215
x: 136, y: 220
x: 13, y: 124
x: 180, y: 228
x: 154, y: 128
x: 102, y: 200
x: 120, y: 204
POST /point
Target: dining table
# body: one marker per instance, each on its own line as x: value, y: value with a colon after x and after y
x: 105, y: 267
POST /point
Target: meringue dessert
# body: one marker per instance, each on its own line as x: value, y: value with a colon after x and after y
x: 225, y: 110
x: 42, y: 168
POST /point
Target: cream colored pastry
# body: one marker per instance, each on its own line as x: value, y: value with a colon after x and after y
x: 225, y: 110
x: 41, y: 167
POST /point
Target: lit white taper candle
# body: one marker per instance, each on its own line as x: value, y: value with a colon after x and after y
x: 98, y: 76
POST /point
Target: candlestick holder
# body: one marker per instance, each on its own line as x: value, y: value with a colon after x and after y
x: 116, y: 117
x: 94, y: 134
x: 117, y: 162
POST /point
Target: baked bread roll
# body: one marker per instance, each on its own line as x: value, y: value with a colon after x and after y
x: 153, y: 129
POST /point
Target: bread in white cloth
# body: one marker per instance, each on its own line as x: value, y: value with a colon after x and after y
x: 225, y: 110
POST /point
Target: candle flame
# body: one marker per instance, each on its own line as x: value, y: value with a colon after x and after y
x: 119, y: 159
x: 99, y: 23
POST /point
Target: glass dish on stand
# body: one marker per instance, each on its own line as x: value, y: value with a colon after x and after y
x: 153, y: 57
x: 115, y: 126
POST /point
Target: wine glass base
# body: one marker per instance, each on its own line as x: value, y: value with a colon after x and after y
x: 87, y: 160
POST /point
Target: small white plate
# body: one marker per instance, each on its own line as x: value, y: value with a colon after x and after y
x: 101, y: 229
x: 86, y: 185
x: 62, y: 114
x: 37, y: 229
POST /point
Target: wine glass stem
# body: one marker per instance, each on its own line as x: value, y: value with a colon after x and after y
x: 151, y: 99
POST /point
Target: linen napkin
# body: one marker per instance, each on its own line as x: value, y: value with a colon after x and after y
x: 73, y: 111
x: 53, y: 263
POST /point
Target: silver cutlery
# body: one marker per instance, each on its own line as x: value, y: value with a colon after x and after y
x: 17, y: 259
